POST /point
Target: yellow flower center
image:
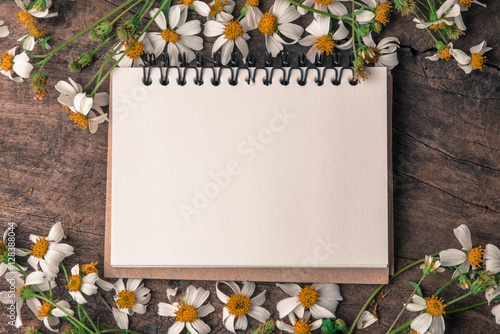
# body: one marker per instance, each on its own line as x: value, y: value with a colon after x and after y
x: 437, y: 26
x: 7, y: 61
x: 25, y: 19
x: 382, y: 12
x: 186, y: 2
x: 45, y: 310
x: 90, y: 268
x: 126, y: 299
x: 39, y: 94
x: 238, y: 305
x: 253, y: 3
x: 232, y: 30
x: 75, y: 282
x: 268, y: 24
x: 40, y: 247
x: 217, y: 7
x: 466, y: 3
x: 186, y: 313
x: 65, y: 108
x: 475, y: 255
x: 477, y: 61
x: 170, y: 35
x: 445, y: 53
x: 81, y: 120
x: 435, y: 306
x: 37, y: 32
x: 325, y: 44
x: 323, y: 2
x: 301, y: 327
x: 308, y: 296
x: 136, y: 51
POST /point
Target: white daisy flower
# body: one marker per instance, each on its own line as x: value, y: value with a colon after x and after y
x: 177, y: 35
x: 4, y: 30
x: 333, y: 6
x: 430, y: 266
x: 133, y: 56
x: 15, y: 66
x: 367, y: 319
x: 276, y: 22
x: 87, y: 111
x: 40, y: 9
x: 48, y: 313
x: 239, y: 305
x: 199, y: 6
x: 90, y: 268
x: 321, y: 38
x: 68, y: 92
x: 432, y: 319
x: 379, y: 11
x: 381, y: 54
x: 299, y: 326
x: 492, y: 258
x: 496, y: 312
x: 444, y: 53
x: 132, y: 298
x: 32, y: 37
x: 445, y: 14
x: 220, y: 11
x: 462, y: 258
x: 4, y: 253
x: 47, y: 252
x: 16, y: 279
x: 229, y: 34
x: 253, y: 13
x: 188, y: 311
x: 79, y: 282
x: 320, y: 299
x: 476, y: 60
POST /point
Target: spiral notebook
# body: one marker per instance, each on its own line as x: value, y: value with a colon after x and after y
x: 263, y: 174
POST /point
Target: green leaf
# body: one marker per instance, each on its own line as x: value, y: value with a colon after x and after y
x: 327, y: 327
x: 165, y: 9
x: 44, y: 42
x: 415, y: 285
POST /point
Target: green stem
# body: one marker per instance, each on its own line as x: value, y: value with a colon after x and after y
x: 119, y: 331
x: 65, y: 272
x: 145, y: 9
x: 380, y: 287
x: 99, y: 83
x: 125, y: 11
x: 407, y: 302
x: 314, y: 10
x: 424, y: 5
x: 449, y: 282
x: 472, y: 306
x: 90, y: 320
x: 353, y: 34
x: 460, y: 298
x: 103, y: 43
x: 400, y: 328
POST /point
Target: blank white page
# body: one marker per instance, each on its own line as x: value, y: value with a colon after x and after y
x: 249, y: 175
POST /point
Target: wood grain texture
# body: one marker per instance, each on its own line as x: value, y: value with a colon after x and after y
x: 446, y: 165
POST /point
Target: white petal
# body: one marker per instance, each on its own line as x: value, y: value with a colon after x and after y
x: 166, y: 310
x: 189, y: 28
x: 133, y: 283
x: 222, y: 296
x: 229, y: 323
x: 328, y: 291
x: 4, y: 31
x: 259, y: 313
x: 422, y: 322
x: 292, y: 31
x: 174, y: 16
x: 139, y: 308
x: 205, y: 310
x: 272, y: 45
x: 289, y: 15
x: 492, y: 258
x: 200, y: 326
x: 319, y: 312
x: 121, y: 318
x: 213, y: 28
x: 259, y: 299
x: 106, y: 286
x: 444, y: 7
x: 287, y: 306
x: 308, y: 40
x: 160, y: 19
x: 218, y: 43
x: 241, y: 323
x: 366, y: 319
x: 243, y: 47
x: 176, y: 328
x: 226, y: 51
x: 192, y: 42
x: 22, y: 69
x: 462, y: 232
x: 451, y: 257
x: 56, y: 233
x: 437, y: 325
x: 201, y: 8
x: 284, y: 327
x: 341, y: 32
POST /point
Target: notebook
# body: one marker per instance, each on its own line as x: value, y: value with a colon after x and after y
x: 249, y: 174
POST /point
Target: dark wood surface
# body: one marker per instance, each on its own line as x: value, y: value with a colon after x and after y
x: 446, y: 161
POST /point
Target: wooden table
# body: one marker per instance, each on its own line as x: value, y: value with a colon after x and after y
x: 446, y: 160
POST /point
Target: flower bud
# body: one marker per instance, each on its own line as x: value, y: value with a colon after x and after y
x: 377, y: 27
x: 464, y: 282
x: 39, y: 82
x: 127, y: 31
x: 85, y: 59
x: 102, y: 30
x: 452, y: 32
x: 482, y: 282
x: 340, y: 325
x: 40, y: 5
x: 74, y: 66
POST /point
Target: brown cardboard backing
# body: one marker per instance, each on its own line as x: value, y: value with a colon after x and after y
x: 324, y: 275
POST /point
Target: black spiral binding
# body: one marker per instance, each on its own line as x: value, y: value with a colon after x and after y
x: 284, y: 71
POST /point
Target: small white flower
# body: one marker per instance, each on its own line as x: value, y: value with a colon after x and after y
x: 492, y: 258
x: 219, y: 10
x: 432, y: 319
x: 430, y: 266
x: 30, y: 39
x: 496, y: 312
x: 333, y: 6
x: 276, y: 22
x: 383, y: 53
x: 444, y: 53
x: 379, y: 10
x: 239, y: 305
x: 83, y: 110
x: 68, y: 92
x: 462, y: 258
x: 132, y: 298
x: 320, y: 299
x: 133, y: 56
x: 229, y: 34
x: 199, y: 6
x: 48, y: 313
x: 177, y: 35
x: 321, y: 39
x: 5, y: 254
x: 37, y: 10
x: 12, y: 64
x: 47, y: 252
x: 445, y: 14
x: 79, y: 282
x: 4, y: 30
x: 475, y: 61
x: 188, y: 311
x: 299, y: 326
x: 253, y: 14
x: 367, y: 319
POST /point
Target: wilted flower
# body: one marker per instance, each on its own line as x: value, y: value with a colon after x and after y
x: 39, y: 82
x: 430, y: 266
